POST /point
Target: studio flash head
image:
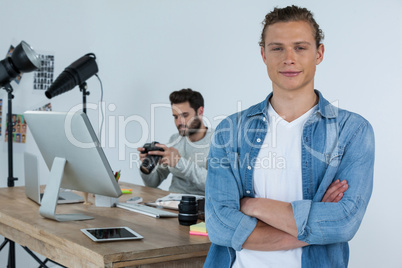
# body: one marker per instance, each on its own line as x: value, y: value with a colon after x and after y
x: 75, y: 74
x: 23, y: 60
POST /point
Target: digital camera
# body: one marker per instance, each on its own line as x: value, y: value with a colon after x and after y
x: 150, y: 161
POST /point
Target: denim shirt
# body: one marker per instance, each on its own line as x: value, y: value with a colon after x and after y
x: 336, y: 144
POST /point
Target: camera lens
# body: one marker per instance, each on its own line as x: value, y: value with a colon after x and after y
x: 201, y: 209
x: 188, y: 210
x: 148, y: 164
x: 150, y: 161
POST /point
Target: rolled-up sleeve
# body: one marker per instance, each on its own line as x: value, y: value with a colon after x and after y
x: 327, y: 223
x: 226, y: 225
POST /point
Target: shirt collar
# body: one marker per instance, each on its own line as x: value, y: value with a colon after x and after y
x: 325, y: 108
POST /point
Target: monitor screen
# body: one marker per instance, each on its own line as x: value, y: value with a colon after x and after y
x: 72, y: 153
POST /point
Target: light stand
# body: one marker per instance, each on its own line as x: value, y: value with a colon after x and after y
x: 75, y: 74
x: 11, y: 179
x: 85, y: 93
x: 23, y: 59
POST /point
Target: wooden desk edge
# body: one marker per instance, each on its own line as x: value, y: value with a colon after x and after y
x: 60, y: 250
x: 161, y: 259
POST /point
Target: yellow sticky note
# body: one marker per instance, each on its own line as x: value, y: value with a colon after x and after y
x: 199, y: 227
x: 127, y: 191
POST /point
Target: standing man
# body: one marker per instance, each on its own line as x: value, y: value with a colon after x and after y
x: 270, y: 166
x: 186, y: 154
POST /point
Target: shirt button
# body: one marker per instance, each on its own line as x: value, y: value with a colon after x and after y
x: 258, y: 140
x: 247, y: 192
x: 263, y: 119
x: 249, y: 168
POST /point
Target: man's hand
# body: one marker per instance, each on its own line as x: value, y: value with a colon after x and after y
x: 335, y: 191
x: 333, y: 194
x: 170, y: 156
x: 279, y: 214
x: 142, y: 154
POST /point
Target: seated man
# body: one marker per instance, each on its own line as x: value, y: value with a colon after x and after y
x: 186, y: 158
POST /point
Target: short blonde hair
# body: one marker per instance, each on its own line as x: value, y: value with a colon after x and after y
x: 291, y: 13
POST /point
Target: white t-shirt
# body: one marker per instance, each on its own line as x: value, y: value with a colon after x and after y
x: 277, y: 175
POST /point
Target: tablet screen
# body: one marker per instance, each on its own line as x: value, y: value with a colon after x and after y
x: 111, y: 234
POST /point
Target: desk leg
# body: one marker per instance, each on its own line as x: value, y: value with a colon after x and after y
x: 11, y: 252
x: 11, y: 256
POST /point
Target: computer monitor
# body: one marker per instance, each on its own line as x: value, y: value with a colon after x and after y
x: 74, y: 157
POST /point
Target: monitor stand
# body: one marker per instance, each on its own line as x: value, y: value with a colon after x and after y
x: 51, y: 195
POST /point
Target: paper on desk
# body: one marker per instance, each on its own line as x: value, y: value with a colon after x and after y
x: 199, y: 227
x: 166, y: 204
x: 177, y: 197
x: 172, y: 200
x: 198, y: 233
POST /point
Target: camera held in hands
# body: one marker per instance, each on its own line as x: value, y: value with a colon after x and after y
x: 150, y: 161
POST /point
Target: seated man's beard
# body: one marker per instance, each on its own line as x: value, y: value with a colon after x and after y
x: 190, y: 130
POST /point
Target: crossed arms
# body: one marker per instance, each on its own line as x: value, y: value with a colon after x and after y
x: 266, y: 224
x: 276, y: 228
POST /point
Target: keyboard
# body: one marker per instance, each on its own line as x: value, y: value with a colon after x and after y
x: 149, y: 211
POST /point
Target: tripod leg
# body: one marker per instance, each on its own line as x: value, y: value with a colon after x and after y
x: 42, y: 264
x: 11, y: 255
x: 4, y: 243
x: 54, y: 263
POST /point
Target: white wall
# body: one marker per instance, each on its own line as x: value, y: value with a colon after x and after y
x: 146, y: 48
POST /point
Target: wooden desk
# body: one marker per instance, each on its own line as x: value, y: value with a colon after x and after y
x: 166, y: 243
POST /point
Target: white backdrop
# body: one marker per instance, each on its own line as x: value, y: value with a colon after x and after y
x: 146, y: 49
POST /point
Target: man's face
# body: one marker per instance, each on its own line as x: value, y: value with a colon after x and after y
x: 186, y: 119
x: 291, y: 55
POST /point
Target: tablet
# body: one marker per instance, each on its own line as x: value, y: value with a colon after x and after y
x: 111, y: 234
